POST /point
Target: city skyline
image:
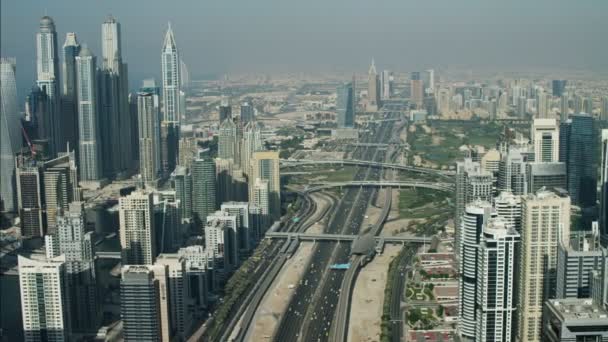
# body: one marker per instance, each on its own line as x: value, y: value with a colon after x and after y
x: 401, y: 200
x: 503, y: 30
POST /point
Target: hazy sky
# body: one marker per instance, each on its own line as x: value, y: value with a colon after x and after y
x: 217, y: 36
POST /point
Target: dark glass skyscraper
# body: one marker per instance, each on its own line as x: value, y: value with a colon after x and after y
x: 345, y: 105
x: 581, y: 159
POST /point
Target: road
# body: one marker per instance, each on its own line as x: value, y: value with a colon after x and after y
x: 311, y: 311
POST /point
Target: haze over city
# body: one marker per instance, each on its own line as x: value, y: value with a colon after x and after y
x: 341, y: 171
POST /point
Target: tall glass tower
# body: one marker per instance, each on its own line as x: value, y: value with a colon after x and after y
x: 47, y: 71
x: 170, y: 65
x: 10, y: 134
x: 88, y: 122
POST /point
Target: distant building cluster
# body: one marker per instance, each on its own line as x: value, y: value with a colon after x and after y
x: 194, y: 215
x: 533, y: 257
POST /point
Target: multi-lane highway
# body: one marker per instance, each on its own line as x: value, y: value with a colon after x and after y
x: 311, y: 311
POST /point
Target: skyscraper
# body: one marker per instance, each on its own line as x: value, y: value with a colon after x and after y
x: 30, y: 199
x: 172, y: 269
x: 603, y: 215
x: 221, y: 239
x: 496, y: 306
x: 508, y: 207
x: 345, y: 105
x: 182, y: 184
x: 542, y: 104
x: 558, y: 87
x: 247, y: 112
x: 252, y: 142
x: 47, y: 78
x: 148, y: 132
x: 10, y: 134
x: 60, y: 178
x: 259, y: 203
x: 44, y: 299
x: 582, y: 160
x: 88, y: 119
x: 545, y: 137
x: 140, y: 307
x: 604, y: 109
x: 225, y: 110
x: 227, y: 141
x: 69, y: 110
x: 244, y: 234
x: 545, y: 222
x: 577, y: 259
x: 265, y: 166
x: 137, y: 228
x: 475, y: 216
x: 115, y: 121
x: 171, y: 103
x: 225, y: 190
x: 203, y: 188
x: 77, y: 246
x: 472, y: 183
x: 512, y: 172
x: 386, y: 83
x: 373, y: 88
x: 416, y: 89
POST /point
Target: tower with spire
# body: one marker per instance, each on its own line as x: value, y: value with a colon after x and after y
x: 373, y: 86
x: 170, y: 125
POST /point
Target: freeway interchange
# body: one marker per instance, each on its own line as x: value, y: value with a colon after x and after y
x: 320, y: 304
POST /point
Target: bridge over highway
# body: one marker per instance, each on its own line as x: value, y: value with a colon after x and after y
x: 298, y: 162
x: 396, y: 184
x: 340, y: 237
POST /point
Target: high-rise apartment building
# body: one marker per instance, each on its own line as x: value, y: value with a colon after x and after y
x: 512, y: 172
x: 574, y: 319
x: 30, y: 199
x: 149, y: 137
x: 247, y: 112
x: 225, y: 110
x: 581, y: 160
x: 251, y: 143
x: 416, y: 89
x: 221, y: 239
x: 88, y: 117
x: 345, y: 105
x: 47, y: 78
x: 71, y: 240
x: 545, y: 223
x: 44, y: 299
x: 203, y: 188
x: 542, y: 105
x: 172, y: 267
x: 474, y: 217
x: 137, y: 228
x: 225, y: 190
x: 603, y: 214
x: 170, y: 124
x: 386, y: 84
x: 547, y: 175
x: 545, y: 137
x: 60, y: 179
x: 227, y: 141
x: 472, y: 183
x: 259, y: 203
x: 241, y: 211
x: 10, y: 134
x: 373, y: 88
x: 265, y: 165
x: 508, y: 207
x: 577, y: 259
x: 496, y: 270
x: 69, y: 109
x: 182, y: 184
x: 115, y: 122
x: 140, y: 308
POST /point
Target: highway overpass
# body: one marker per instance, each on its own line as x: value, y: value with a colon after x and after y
x: 340, y: 237
x: 394, y: 184
x: 299, y: 162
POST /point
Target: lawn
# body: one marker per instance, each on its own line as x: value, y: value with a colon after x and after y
x: 421, y: 203
x: 451, y: 135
